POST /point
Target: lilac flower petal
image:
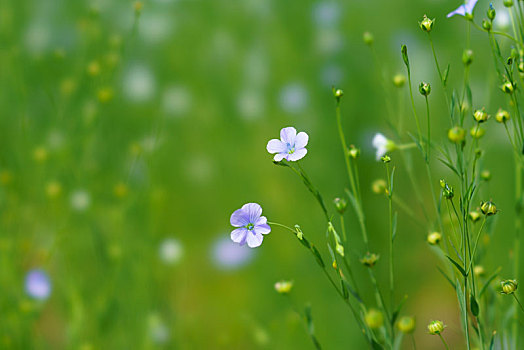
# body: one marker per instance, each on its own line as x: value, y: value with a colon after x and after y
x: 254, y: 239
x: 287, y: 135
x: 253, y: 210
x: 239, y: 218
x: 461, y: 10
x: 470, y: 6
x: 298, y: 154
x: 279, y: 156
x: 239, y: 235
x: 276, y: 146
x: 261, y: 226
x: 301, y: 140
x: 37, y: 284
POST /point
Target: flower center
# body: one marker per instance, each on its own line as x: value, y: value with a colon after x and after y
x: 290, y: 149
x: 250, y: 226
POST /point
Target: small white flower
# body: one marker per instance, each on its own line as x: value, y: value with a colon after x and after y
x: 171, y: 251
x: 383, y: 145
x: 80, y: 200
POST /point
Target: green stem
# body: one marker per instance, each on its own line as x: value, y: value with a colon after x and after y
x: 443, y: 341
x: 475, y: 247
x: 391, y: 269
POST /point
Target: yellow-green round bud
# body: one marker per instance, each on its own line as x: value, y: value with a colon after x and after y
x: 338, y: 93
x: 368, y: 38
x: 426, y: 24
x: 370, y: 259
x: 502, y: 116
x: 487, y: 25
x: 508, y: 3
x: 456, y: 134
x: 485, y: 175
x: 467, y: 57
x: 520, y: 66
x: 283, y: 287
x: 434, y: 238
x: 340, y: 204
x: 477, y: 132
x: 436, y: 327
x: 480, y: 115
x: 508, y: 87
x: 399, y: 80
x: 509, y: 286
x: 379, y: 186
x: 424, y: 89
x: 474, y: 215
x: 353, y: 152
x: 385, y: 159
x: 479, y: 271
x: 374, y: 318
x: 488, y: 208
x: 406, y: 324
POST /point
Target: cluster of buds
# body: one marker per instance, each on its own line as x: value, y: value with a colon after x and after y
x: 434, y: 238
x: 447, y: 190
x: 436, y: 327
x: 508, y: 286
x: 488, y: 208
x: 370, y: 259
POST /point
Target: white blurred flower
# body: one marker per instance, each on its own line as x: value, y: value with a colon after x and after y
x: 139, y: 84
x: 328, y: 41
x: 80, y: 200
x: 382, y: 145
x: 326, y: 14
x: 331, y: 75
x: 155, y: 26
x: 502, y: 20
x: 199, y: 169
x: 177, y: 101
x: 293, y: 98
x: 170, y: 251
x: 250, y: 104
x: 37, y: 284
x: 228, y: 255
x: 37, y: 37
x: 158, y: 330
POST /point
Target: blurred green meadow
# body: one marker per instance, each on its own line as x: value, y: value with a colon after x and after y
x: 130, y: 132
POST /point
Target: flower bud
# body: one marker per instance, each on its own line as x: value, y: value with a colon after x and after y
x: 474, y: 215
x: 436, y: 327
x: 487, y: 25
x: 283, y: 287
x: 488, y: 208
x: 374, y: 318
x: 479, y: 271
x: 426, y: 24
x: 424, y: 89
x: 340, y: 205
x: 508, y: 87
x: 467, y: 57
x: 338, y: 93
x: 379, y: 186
x: 508, y: 3
x: 509, y: 286
x: 368, y: 38
x: 434, y: 238
x: 354, y: 152
x: 480, y: 115
x: 456, y: 134
x: 491, y: 12
x: 447, y: 190
x: 399, y: 80
x: 406, y: 324
x: 477, y: 132
x: 386, y: 158
x: 485, y: 175
x: 520, y: 66
x: 502, y: 116
x: 369, y: 259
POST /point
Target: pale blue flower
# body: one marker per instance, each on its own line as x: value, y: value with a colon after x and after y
x: 227, y: 255
x: 251, y: 225
x: 464, y: 9
x: 291, y: 146
x: 37, y: 284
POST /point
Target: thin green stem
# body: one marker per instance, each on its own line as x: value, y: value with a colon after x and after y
x: 443, y: 341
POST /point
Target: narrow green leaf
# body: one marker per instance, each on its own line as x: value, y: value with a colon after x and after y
x: 446, y: 75
x: 394, y: 228
x: 317, y: 255
x: 488, y: 282
x: 457, y: 265
x: 446, y: 277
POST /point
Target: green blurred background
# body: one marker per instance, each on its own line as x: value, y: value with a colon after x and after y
x: 127, y: 138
